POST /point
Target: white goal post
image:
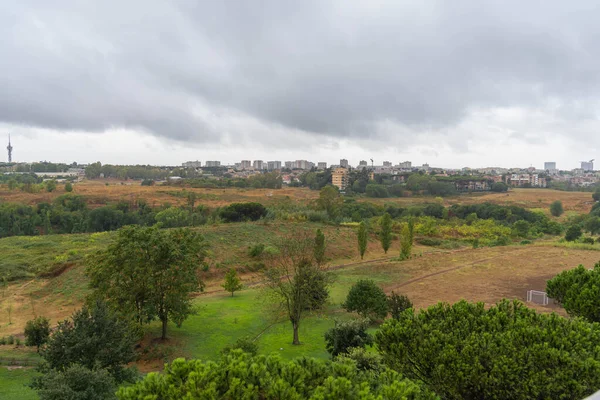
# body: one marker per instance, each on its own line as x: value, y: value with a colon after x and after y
x: 537, y: 297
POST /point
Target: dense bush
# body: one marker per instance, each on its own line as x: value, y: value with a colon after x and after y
x: 244, y: 344
x: 374, y: 190
x: 573, y: 233
x: 367, y: 299
x: 239, y: 212
x: 578, y: 291
x: 499, y: 187
x: 397, y: 303
x: 37, y: 332
x: 429, y: 241
x: 556, y: 208
x: 241, y: 376
x: 346, y: 335
x: 465, y: 351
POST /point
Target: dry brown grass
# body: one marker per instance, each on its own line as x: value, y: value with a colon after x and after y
x: 487, y: 274
x: 98, y: 193
x: 528, y: 198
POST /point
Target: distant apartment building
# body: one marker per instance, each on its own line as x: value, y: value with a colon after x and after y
x: 550, y: 166
x: 339, y: 178
x: 258, y: 165
x: 532, y: 180
x: 587, y: 165
x: 273, y: 165
x: 405, y: 165
x: 362, y: 164
x: 192, y: 164
x: 246, y: 164
x: 212, y: 164
x: 343, y: 163
x: 321, y: 165
x: 387, y: 164
x: 303, y: 164
x: 289, y: 164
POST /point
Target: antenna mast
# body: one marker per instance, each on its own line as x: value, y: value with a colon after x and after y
x: 10, y: 149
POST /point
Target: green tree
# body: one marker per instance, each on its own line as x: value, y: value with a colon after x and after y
x: 291, y: 278
x: 12, y: 184
x: 556, y: 208
x: 521, y: 228
x: 397, y: 303
x: 506, y: 351
x: 573, y: 233
x: 367, y: 299
x: 271, y: 378
x: 232, y: 282
x: 362, y: 237
x: 578, y: 291
x: 596, y: 195
x: 150, y: 273
x: 244, y: 344
x: 191, y: 200
x: 94, y: 338
x: 346, y: 335
x: 499, y: 187
x: 385, y: 236
x: 329, y: 200
x: 75, y: 382
x: 68, y: 187
x: 406, y: 240
x: 50, y: 186
x: 592, y: 225
x: 319, y: 249
x: 37, y: 332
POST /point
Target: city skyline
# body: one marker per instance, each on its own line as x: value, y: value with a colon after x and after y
x: 473, y: 86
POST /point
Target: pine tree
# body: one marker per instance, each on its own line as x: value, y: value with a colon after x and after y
x: 232, y: 282
x: 386, y: 232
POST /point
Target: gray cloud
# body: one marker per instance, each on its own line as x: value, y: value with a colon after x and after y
x: 340, y: 68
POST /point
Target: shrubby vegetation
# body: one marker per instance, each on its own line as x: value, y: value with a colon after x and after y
x: 578, y: 291
x: 367, y: 299
x: 346, y: 335
x: 241, y: 376
x: 465, y: 351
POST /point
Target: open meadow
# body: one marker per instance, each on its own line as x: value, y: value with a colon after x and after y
x: 45, y: 274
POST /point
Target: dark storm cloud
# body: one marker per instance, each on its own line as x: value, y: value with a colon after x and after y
x: 336, y: 68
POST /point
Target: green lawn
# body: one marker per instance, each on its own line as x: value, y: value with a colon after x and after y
x: 222, y: 319
x: 13, y: 384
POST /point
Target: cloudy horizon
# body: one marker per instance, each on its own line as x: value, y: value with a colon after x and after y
x: 494, y: 83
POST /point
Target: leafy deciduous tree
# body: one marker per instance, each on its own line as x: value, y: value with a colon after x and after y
x: 75, y: 382
x: 232, y: 282
x: 149, y: 273
x: 330, y: 200
x: 367, y: 299
x: 578, y: 291
x: 556, y: 208
x: 94, y: 338
x: 573, y: 233
x: 37, y: 332
x: 292, y: 276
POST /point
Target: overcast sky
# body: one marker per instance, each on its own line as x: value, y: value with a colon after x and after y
x: 452, y: 83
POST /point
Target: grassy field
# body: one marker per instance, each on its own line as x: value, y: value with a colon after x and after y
x: 578, y: 202
x: 100, y: 192
x: 13, y: 381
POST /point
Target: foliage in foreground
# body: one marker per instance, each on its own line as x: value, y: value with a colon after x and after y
x: 578, y: 291
x: 241, y: 376
x: 509, y: 351
x: 76, y: 382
